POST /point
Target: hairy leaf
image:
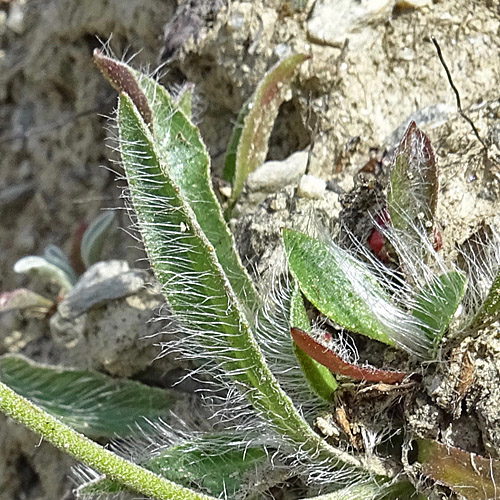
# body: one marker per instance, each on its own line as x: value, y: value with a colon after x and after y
x: 195, y: 284
x: 183, y: 156
x: 258, y: 124
x: 320, y: 378
x: 209, y: 463
x: 436, y: 305
x: 336, y: 284
x: 468, y: 474
x: 89, y: 402
x: 413, y: 187
x: 345, y: 290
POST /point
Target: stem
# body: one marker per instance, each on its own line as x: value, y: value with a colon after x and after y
x: 90, y: 453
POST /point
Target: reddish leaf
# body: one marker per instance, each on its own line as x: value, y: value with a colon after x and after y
x: 470, y: 475
x: 123, y: 80
x: 75, y: 255
x: 336, y: 364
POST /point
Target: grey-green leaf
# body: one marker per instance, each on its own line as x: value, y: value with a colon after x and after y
x: 94, y: 238
x: 209, y: 463
x: 54, y: 255
x: 320, y: 378
x: 436, y: 305
x: 90, y: 402
x: 45, y: 271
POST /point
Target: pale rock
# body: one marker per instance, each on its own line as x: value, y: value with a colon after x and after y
x: 333, y: 21
x: 413, y: 4
x: 311, y: 187
x: 269, y: 178
x: 274, y: 175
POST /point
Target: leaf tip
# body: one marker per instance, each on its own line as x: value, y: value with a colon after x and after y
x: 121, y: 78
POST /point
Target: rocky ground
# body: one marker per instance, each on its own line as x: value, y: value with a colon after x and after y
x: 372, y: 68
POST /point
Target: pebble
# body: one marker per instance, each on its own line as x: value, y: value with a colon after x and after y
x: 332, y: 21
x: 311, y: 187
x: 272, y: 176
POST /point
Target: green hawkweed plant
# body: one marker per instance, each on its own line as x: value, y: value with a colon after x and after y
x: 271, y: 372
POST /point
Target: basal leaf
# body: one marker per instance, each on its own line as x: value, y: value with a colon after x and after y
x: 320, y: 378
x: 42, y: 269
x: 54, y: 255
x: 413, y: 187
x: 196, y: 286
x: 436, y: 305
x: 94, y: 238
x: 22, y: 298
x: 90, y: 402
x: 209, y: 463
x: 345, y: 290
x: 336, y: 284
x: 184, y: 156
x: 258, y: 123
x: 470, y: 475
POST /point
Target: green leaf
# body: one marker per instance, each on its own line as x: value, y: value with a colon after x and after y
x: 413, y: 187
x: 258, y: 125
x: 436, y: 305
x: 232, y: 147
x: 337, y: 285
x: 196, y: 286
x: 89, y: 402
x: 320, y: 378
x: 467, y: 474
x: 45, y: 271
x: 210, y: 463
x: 94, y: 238
x: 184, y: 158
